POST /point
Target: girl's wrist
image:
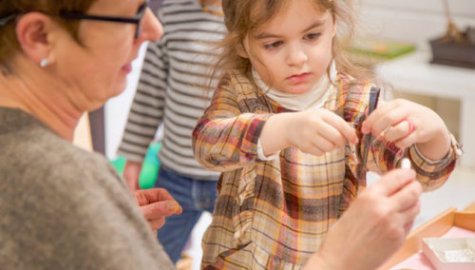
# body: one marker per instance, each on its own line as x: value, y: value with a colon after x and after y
x: 274, y: 136
x: 286, y: 121
x: 438, y: 147
x: 320, y: 261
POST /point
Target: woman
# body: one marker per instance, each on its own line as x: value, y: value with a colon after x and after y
x: 61, y: 207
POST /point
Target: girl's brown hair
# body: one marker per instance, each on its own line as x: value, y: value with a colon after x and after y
x: 243, y: 17
x: 8, y: 40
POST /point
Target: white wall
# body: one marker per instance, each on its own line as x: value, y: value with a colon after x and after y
x: 417, y: 21
x: 413, y: 20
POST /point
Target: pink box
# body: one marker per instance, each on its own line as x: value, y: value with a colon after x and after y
x: 450, y: 253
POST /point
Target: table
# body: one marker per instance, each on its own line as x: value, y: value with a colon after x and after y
x: 448, y: 223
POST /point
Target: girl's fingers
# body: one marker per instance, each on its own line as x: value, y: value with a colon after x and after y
x: 407, y: 141
x: 345, y: 129
x: 388, y: 120
x: 385, y: 117
x: 323, y: 145
x: 399, y: 131
x: 331, y: 134
x: 382, y: 109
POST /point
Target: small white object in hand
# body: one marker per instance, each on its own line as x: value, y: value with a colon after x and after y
x: 406, y: 163
x: 372, y: 177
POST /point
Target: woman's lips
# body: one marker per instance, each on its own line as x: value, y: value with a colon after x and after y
x: 127, y: 68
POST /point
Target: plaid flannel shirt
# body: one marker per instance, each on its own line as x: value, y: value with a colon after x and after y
x: 275, y: 214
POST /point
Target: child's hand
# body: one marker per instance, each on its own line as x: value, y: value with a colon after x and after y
x: 405, y: 123
x: 319, y: 131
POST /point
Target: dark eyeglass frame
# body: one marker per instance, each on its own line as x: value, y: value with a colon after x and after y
x: 137, y: 19
x: 7, y: 19
x: 73, y: 15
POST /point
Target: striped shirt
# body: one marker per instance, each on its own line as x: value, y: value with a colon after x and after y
x: 175, y: 87
x: 274, y: 214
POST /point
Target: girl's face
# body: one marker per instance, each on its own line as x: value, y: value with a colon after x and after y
x: 292, y: 51
x: 97, y: 69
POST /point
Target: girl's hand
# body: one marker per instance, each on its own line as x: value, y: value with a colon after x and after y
x: 405, y: 123
x: 318, y: 131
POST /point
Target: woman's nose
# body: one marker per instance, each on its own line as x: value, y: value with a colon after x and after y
x: 152, y: 29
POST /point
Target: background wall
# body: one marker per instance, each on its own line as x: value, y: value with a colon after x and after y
x: 406, y: 20
x: 413, y: 21
x: 417, y: 22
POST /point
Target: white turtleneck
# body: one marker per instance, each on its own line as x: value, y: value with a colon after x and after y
x: 299, y: 102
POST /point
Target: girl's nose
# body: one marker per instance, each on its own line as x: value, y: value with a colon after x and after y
x: 296, y: 56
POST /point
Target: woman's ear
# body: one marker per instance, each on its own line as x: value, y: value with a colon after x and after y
x: 33, y: 30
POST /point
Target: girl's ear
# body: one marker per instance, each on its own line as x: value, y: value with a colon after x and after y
x: 33, y: 30
x: 241, y: 49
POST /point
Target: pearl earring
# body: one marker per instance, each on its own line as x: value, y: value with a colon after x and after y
x: 44, y: 62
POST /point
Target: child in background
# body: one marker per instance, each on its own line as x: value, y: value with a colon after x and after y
x: 281, y: 129
x: 174, y: 89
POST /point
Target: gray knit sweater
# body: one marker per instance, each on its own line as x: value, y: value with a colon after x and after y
x: 65, y: 208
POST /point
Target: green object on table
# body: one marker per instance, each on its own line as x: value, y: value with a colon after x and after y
x: 379, y: 48
x: 150, y: 166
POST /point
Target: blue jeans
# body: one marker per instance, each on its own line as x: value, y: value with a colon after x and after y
x: 195, y: 197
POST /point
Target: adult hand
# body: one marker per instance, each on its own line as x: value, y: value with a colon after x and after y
x: 157, y: 204
x: 374, y: 227
x: 132, y: 173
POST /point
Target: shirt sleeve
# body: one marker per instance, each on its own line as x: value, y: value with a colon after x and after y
x: 433, y: 173
x: 224, y: 138
x: 262, y: 156
x: 430, y: 173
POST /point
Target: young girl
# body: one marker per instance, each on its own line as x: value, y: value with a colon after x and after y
x: 285, y: 127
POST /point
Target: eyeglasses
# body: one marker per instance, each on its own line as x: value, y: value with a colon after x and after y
x: 7, y: 19
x: 137, y: 19
x: 74, y: 15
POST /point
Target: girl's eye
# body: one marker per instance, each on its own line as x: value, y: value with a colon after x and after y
x: 273, y: 45
x: 312, y: 36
